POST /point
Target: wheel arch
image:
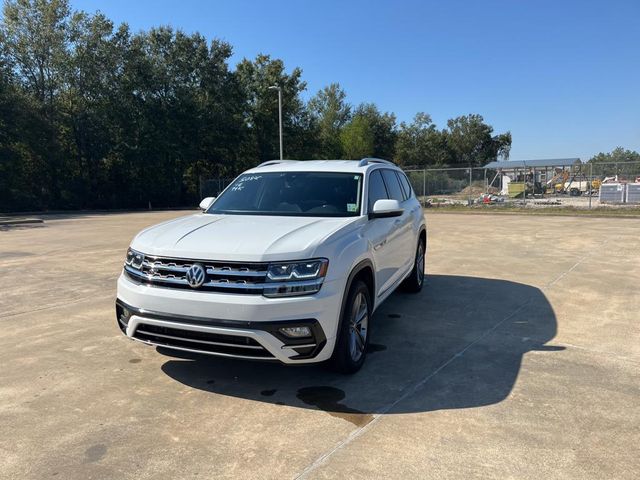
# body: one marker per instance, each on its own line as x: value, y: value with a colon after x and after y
x: 362, y: 271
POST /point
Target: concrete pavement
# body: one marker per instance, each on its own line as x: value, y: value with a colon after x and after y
x: 520, y: 359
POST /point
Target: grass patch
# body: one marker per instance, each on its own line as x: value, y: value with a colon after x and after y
x: 622, y: 212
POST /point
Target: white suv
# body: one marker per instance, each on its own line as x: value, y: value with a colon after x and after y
x: 288, y: 263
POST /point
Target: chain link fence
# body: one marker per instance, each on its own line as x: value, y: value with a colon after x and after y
x: 439, y: 185
x: 212, y: 187
x: 576, y: 186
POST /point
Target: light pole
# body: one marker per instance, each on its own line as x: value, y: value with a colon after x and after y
x: 276, y: 87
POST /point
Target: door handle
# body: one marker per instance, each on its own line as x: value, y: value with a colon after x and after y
x: 378, y: 246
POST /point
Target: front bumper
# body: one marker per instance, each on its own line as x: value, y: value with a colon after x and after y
x: 230, y: 325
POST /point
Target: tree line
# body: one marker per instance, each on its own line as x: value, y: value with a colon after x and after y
x: 93, y: 115
x: 617, y: 155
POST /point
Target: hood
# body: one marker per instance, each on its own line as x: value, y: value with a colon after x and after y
x: 247, y: 238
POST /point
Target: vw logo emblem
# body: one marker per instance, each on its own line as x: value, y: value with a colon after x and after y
x: 195, y: 275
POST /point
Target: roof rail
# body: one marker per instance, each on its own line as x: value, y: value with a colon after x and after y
x: 367, y: 161
x: 275, y: 162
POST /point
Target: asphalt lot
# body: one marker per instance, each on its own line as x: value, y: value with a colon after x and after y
x: 520, y: 359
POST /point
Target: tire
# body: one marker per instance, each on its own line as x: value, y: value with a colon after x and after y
x: 415, y: 280
x: 354, y: 331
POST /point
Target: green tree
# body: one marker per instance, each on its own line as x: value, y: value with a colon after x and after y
x: 420, y: 143
x: 86, y: 103
x: 502, y: 146
x: 357, y: 139
x: 617, y: 155
x: 471, y: 142
x: 93, y: 116
x: 383, y: 129
x: 35, y: 37
x: 331, y: 112
x: 36, y: 34
x: 222, y: 125
x: 255, y: 77
x: 167, y: 69
x: 625, y: 164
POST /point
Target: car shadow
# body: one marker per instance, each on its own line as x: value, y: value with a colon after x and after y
x: 457, y: 344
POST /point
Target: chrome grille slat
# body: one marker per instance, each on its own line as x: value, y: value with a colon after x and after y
x: 157, y: 263
x: 228, y: 277
x: 224, y: 284
x: 166, y: 267
x: 236, y: 273
x: 150, y: 277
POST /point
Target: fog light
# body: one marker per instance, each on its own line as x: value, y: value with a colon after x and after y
x: 123, y: 315
x: 296, y: 332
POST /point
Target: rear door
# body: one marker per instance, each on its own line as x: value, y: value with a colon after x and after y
x: 414, y: 210
x: 403, y: 249
x: 379, y: 232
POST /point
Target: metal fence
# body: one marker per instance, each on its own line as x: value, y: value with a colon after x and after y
x: 212, y: 187
x: 439, y: 184
x: 576, y: 186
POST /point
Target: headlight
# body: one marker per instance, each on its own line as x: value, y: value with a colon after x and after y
x: 134, y: 259
x: 295, y: 278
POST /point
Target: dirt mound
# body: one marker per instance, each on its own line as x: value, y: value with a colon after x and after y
x: 472, y: 190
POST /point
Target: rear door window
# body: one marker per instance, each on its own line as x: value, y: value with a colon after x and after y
x: 406, y: 186
x: 377, y: 190
x: 393, y: 185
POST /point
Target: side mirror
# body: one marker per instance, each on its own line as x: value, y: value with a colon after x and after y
x: 386, y: 209
x: 206, y: 203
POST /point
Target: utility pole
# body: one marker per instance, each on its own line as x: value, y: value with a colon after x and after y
x: 590, y: 183
x: 524, y: 181
x: 470, y: 180
x: 276, y: 87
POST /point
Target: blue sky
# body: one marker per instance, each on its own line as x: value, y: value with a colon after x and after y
x: 562, y: 76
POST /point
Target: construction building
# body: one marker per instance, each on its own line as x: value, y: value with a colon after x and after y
x: 556, y: 175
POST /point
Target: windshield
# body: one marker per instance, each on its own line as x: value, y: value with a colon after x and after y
x: 300, y: 194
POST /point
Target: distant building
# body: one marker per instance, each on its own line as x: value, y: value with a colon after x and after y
x: 541, y: 173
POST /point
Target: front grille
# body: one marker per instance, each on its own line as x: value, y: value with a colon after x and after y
x: 229, y: 277
x: 205, y: 342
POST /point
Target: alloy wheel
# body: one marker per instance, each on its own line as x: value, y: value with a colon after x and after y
x: 420, y: 264
x: 358, y: 327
